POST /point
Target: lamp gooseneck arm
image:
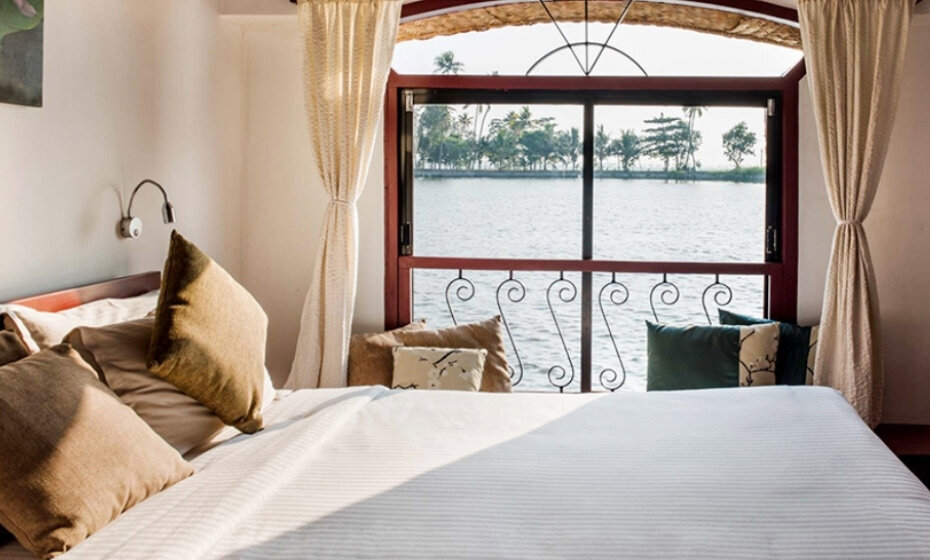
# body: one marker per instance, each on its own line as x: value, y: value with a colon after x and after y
x: 135, y: 190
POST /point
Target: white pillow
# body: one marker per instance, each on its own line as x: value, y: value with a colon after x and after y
x: 43, y: 329
x: 457, y: 369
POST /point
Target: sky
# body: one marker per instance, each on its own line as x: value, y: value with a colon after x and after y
x: 661, y: 51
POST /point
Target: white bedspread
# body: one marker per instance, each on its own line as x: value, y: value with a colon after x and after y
x: 774, y: 472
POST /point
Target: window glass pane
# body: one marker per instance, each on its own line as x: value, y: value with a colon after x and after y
x: 497, y: 181
x: 679, y: 183
x: 661, y: 51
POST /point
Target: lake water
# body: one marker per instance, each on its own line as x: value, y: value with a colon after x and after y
x: 541, y: 219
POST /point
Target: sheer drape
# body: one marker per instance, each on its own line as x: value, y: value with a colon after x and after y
x: 855, y: 55
x: 347, y: 49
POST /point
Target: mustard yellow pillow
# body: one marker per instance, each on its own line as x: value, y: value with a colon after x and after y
x: 209, y: 337
x: 72, y: 456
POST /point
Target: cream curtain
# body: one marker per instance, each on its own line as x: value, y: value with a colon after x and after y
x: 855, y: 55
x: 347, y: 49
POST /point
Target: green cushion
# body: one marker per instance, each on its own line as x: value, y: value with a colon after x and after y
x: 796, y: 349
x: 706, y: 357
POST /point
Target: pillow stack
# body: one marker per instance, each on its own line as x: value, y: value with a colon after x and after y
x: 796, y: 351
x: 374, y: 360
x: 743, y: 351
x: 93, y: 426
x: 705, y: 357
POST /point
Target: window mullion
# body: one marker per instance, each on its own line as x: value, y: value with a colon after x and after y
x: 587, y: 250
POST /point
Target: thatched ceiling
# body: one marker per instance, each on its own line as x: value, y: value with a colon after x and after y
x: 664, y: 14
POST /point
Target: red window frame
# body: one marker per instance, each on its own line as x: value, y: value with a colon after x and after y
x: 398, y: 267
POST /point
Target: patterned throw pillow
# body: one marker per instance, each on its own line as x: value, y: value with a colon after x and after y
x: 457, y: 369
x: 796, y: 351
x: 705, y: 357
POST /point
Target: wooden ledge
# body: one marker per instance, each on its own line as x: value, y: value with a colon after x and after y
x: 905, y: 439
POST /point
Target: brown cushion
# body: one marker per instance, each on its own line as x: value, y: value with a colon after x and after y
x: 484, y: 334
x: 370, y: 358
x: 118, y: 353
x: 72, y: 456
x: 209, y: 336
x: 11, y: 348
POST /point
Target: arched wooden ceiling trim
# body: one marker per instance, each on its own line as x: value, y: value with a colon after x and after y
x: 732, y: 18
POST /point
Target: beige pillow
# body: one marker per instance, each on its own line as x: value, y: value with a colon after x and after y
x: 42, y: 329
x: 12, y: 348
x: 455, y: 369
x: 485, y: 334
x: 72, y: 456
x: 370, y: 359
x: 118, y: 353
x: 209, y: 336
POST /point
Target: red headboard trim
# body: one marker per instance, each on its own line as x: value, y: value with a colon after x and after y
x: 128, y: 286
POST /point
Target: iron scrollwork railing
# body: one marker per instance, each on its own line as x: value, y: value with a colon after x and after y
x: 464, y: 290
x: 566, y: 291
x: 722, y: 295
x: 669, y: 294
x: 617, y: 294
x: 612, y: 295
x: 515, y: 292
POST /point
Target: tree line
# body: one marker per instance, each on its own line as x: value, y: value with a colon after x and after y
x: 448, y: 138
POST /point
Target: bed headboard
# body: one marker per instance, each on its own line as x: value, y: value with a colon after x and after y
x: 127, y: 286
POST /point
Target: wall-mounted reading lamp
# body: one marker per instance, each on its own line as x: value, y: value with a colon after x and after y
x: 131, y: 227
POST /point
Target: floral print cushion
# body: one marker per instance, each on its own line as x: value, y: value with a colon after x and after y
x: 457, y: 369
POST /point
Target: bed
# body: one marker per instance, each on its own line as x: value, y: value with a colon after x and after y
x: 770, y: 472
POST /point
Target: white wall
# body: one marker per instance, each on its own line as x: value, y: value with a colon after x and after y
x: 899, y: 238
x: 898, y: 234
x: 132, y: 90
x: 283, y: 200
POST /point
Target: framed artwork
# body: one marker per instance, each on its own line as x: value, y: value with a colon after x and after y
x: 21, y: 32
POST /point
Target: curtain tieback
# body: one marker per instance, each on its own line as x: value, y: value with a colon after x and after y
x: 849, y: 223
x: 341, y: 202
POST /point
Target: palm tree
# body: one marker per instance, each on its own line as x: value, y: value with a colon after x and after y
x: 693, y: 113
x: 445, y: 63
x: 601, y: 146
x: 627, y: 148
x: 463, y: 123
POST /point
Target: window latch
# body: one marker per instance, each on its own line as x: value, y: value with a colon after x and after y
x: 771, y: 241
x: 408, y: 101
x: 770, y: 107
x: 405, y: 239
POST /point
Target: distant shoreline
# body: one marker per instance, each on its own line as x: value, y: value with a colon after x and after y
x: 749, y: 175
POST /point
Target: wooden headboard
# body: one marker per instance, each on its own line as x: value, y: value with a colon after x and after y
x: 128, y: 286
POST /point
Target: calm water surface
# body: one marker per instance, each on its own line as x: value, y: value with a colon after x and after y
x: 541, y: 219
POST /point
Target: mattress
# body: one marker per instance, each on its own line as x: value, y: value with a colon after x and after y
x: 769, y: 472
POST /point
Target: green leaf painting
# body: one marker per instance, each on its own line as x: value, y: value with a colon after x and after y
x: 21, y: 33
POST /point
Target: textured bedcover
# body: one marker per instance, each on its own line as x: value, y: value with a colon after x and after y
x: 775, y: 472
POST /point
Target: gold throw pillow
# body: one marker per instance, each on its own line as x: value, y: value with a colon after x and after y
x: 72, y: 456
x: 209, y: 337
